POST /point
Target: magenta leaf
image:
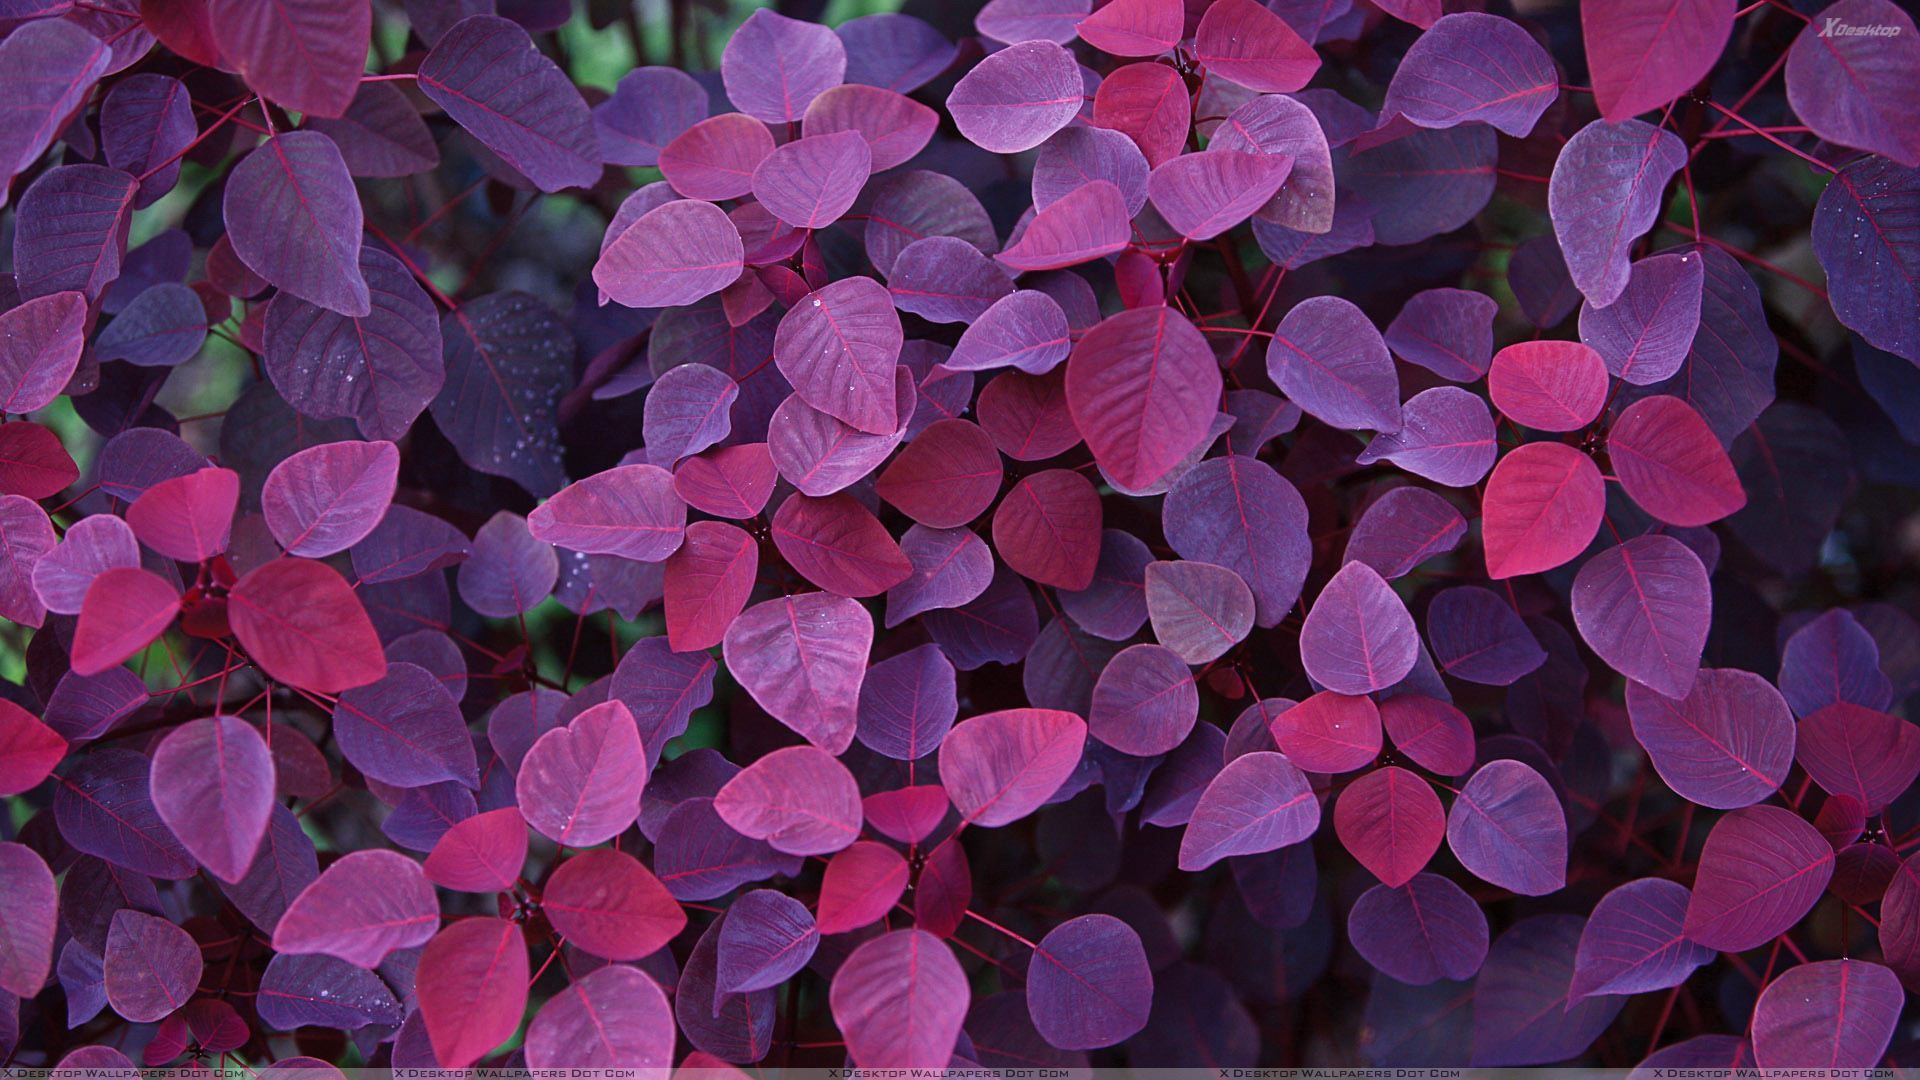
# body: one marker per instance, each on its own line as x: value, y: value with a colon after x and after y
x: 1761, y: 870
x: 1548, y: 385
x: 894, y: 127
x: 899, y: 1000
x: 365, y: 906
x: 1203, y: 195
x: 294, y: 219
x: 1419, y: 932
x: 1605, y: 192
x: 1088, y: 983
x: 152, y: 966
x: 1508, y: 829
x: 1133, y: 27
x: 861, y: 885
x: 1645, y: 53
x: 1670, y: 463
x: 212, y: 785
x: 580, y: 784
x: 606, y: 903
x: 482, y: 854
x: 1142, y: 387
x: 802, y: 658
x: 29, y: 750
x: 810, y: 182
x: 715, y: 158
x: 303, y: 625
x: 1246, y: 43
x: 1392, y: 822
x: 1329, y: 732
x: 799, y: 799
x: 1869, y: 756
x: 472, y: 987
x: 708, y: 581
x: 487, y: 74
x: 34, y: 463
x: 1150, y: 104
x: 999, y: 767
x: 1082, y: 225
x: 1015, y: 98
x: 306, y: 57
x: 1633, y: 942
x: 1544, y: 502
x: 613, y: 1018
x: 839, y: 347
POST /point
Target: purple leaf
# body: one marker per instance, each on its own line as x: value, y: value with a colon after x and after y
x: 894, y: 127
x: 766, y: 938
x: 1425, y: 182
x: 1203, y: 195
x: 631, y: 511
x: 1851, y: 88
x: 1013, y: 21
x: 1830, y: 1014
x: 322, y: 991
x: 327, y: 498
x: 1237, y: 512
x: 1633, y: 942
x: 1508, y: 829
x: 810, y: 182
x: 294, y: 219
x: 381, y: 133
x: 918, y: 204
x: 510, y: 571
x: 1145, y: 702
x: 306, y: 57
x: 1830, y: 660
x: 1419, y: 932
x: 1477, y: 636
x: 1358, y: 638
x: 103, y: 808
x: 899, y: 1001
x: 674, y: 254
x: 152, y: 966
x: 1088, y: 983
x: 1271, y: 124
x: 1447, y: 331
x: 26, y: 537
x: 1605, y: 192
x: 580, y: 784
x: 1143, y: 389
x: 71, y: 230
x: 405, y: 544
x: 1327, y: 357
x: 1259, y: 802
x: 145, y: 121
x: 898, y: 52
x: 1404, y: 528
x: 907, y: 704
x: 51, y: 66
x: 366, y: 905
x: 649, y: 108
x: 687, y: 411
x: 1015, y: 98
x: 1645, y: 53
x: 1761, y: 870
x: 212, y: 785
x: 1866, y: 755
x: 1729, y: 743
x: 613, y: 1018
x: 1645, y: 335
x: 1199, y: 610
x: 774, y: 66
x: 1872, y: 265
x: 1524, y: 1012
x: 951, y: 568
x: 382, y: 369
x: 820, y: 454
x: 802, y: 658
x: 1074, y: 157
x: 491, y: 79
x: 715, y: 158
x: 945, y: 279
x: 999, y: 767
x: 163, y: 327
x: 405, y: 730
x: 1471, y: 67
x: 26, y: 939
x: 1447, y: 436
x: 1115, y: 605
x: 839, y: 348
x: 1644, y: 607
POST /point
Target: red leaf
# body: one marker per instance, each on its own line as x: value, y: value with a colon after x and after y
x: 472, y: 984
x: 303, y: 624
x: 125, y: 610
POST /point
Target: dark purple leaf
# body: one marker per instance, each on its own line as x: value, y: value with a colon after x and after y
x: 488, y: 76
x: 1524, y: 1012
x: 1849, y: 88
x: 152, y: 966
x: 1419, y: 932
x: 1088, y: 983
x: 1508, y: 829
x: 294, y: 219
x: 322, y: 991
x: 1872, y: 264
x: 1830, y: 660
